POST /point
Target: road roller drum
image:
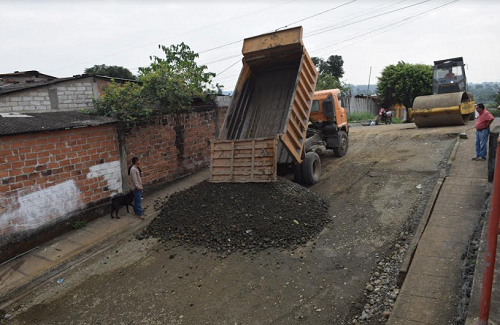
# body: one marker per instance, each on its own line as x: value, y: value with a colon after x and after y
x: 443, y: 109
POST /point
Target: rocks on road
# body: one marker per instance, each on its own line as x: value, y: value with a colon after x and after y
x: 229, y: 217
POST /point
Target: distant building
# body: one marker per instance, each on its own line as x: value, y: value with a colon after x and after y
x: 31, y: 91
x: 22, y: 77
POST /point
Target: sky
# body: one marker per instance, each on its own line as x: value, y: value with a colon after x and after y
x: 62, y: 38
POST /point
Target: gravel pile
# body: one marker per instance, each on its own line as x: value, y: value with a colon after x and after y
x: 250, y: 217
x: 382, y: 290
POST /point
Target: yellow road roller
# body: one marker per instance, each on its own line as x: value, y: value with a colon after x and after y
x: 450, y: 103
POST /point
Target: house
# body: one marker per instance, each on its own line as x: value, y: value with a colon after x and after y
x: 22, y: 77
x: 31, y: 91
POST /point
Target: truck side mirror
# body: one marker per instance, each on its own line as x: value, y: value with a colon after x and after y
x: 328, y: 109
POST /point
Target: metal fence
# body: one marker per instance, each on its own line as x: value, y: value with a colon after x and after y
x: 361, y: 104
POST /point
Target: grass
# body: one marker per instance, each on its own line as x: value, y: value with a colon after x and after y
x: 397, y: 121
x: 360, y: 117
x: 495, y: 112
x: 79, y: 224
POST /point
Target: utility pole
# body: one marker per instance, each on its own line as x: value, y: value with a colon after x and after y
x: 369, y: 76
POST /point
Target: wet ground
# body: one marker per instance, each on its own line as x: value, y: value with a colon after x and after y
x: 376, y: 193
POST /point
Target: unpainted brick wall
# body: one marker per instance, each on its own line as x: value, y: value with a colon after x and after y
x: 49, y: 175
x: 173, y: 146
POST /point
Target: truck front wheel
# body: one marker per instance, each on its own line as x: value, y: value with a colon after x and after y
x: 311, y: 168
x: 341, y: 150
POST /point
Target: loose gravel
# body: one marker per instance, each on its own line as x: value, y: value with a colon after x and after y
x: 245, y: 217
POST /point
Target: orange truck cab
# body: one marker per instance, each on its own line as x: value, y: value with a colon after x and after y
x: 326, y: 108
x: 330, y: 119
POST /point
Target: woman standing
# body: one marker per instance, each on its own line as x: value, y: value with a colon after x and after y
x: 134, y: 172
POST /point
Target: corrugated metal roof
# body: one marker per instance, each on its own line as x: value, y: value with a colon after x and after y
x: 50, y: 121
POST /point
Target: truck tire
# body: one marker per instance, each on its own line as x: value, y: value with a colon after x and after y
x: 341, y: 151
x: 311, y: 168
x: 297, y: 174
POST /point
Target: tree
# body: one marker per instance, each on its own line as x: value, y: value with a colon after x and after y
x: 330, y: 72
x: 167, y: 85
x: 497, y: 98
x: 175, y: 80
x: 333, y: 66
x: 326, y: 81
x: 110, y: 71
x: 401, y: 83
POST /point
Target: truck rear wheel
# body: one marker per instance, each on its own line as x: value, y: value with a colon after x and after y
x: 311, y: 168
x: 341, y: 150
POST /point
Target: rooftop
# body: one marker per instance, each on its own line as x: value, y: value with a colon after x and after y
x: 18, y: 123
x: 10, y: 88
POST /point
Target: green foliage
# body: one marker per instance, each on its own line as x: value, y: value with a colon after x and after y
x: 126, y: 102
x: 486, y: 92
x: 79, y: 224
x: 326, y: 81
x: 167, y: 85
x: 396, y: 121
x: 402, y: 82
x: 333, y: 66
x: 360, y: 116
x: 330, y: 72
x: 495, y: 112
x: 181, y: 73
x: 110, y: 71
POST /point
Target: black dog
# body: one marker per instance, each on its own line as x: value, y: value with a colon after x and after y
x: 121, y: 200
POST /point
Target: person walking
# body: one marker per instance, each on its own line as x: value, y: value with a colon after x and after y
x: 135, y: 172
x: 483, y: 122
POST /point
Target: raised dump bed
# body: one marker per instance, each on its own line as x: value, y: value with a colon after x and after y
x: 266, y: 123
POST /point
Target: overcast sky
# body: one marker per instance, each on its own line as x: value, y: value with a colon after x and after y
x: 61, y: 38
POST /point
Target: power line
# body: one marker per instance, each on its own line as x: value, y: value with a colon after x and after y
x: 231, y: 43
x: 182, y: 34
x: 218, y: 74
x: 320, y: 13
x: 394, y: 24
x: 365, y: 19
x: 320, y: 30
x: 362, y: 13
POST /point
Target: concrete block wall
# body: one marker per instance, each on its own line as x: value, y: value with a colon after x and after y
x: 76, y: 94
x: 27, y: 100
x: 46, y: 177
x: 67, y: 95
x: 173, y: 146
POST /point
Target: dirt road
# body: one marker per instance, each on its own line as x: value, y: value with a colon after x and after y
x: 374, y: 200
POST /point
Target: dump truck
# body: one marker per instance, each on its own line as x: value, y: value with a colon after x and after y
x: 450, y: 103
x: 327, y: 129
x: 266, y: 126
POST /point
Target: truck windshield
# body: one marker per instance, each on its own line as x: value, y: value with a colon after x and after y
x: 315, y: 106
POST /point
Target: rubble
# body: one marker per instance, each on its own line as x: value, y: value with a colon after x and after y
x: 246, y: 217
x: 382, y: 290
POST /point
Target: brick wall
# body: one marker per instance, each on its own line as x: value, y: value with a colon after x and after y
x: 47, y: 176
x: 173, y: 146
x: 67, y: 95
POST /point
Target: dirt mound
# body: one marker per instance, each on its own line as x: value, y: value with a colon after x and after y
x: 228, y: 217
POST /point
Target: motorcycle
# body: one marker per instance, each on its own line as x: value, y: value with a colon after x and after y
x: 385, y: 116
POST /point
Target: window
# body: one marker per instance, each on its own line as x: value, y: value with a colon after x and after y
x: 315, y: 106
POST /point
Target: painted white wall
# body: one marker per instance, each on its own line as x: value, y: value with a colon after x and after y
x: 37, y: 208
x: 112, y: 174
